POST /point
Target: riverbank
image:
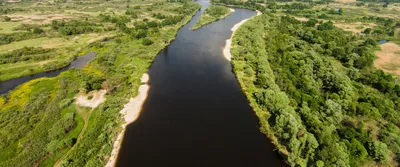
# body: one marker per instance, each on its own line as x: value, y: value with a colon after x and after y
x: 132, y: 109
x: 79, y: 62
x: 119, y: 63
x: 130, y: 112
x: 227, y: 49
x: 212, y: 14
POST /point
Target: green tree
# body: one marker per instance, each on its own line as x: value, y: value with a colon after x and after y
x: 6, y: 18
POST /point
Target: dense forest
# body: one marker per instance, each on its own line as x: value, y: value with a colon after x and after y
x: 316, y: 93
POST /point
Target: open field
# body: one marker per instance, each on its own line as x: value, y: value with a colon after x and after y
x: 75, y: 43
x: 389, y: 58
x: 355, y: 27
x: 7, y: 27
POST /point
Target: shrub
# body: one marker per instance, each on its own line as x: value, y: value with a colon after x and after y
x: 37, y: 30
x: 6, y: 18
x: 147, y: 41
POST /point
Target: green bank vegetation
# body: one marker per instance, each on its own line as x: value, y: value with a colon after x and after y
x: 39, y: 120
x: 313, y: 85
x: 316, y: 92
x: 29, y: 27
x: 211, y: 14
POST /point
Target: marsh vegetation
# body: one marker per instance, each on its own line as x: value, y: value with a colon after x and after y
x: 40, y: 122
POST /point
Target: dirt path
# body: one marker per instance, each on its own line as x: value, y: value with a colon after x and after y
x: 82, y: 100
x: 41, y: 160
x: 86, y: 120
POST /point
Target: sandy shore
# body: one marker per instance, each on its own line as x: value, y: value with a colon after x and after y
x: 130, y: 112
x: 227, y: 49
x: 232, y: 10
x: 132, y: 109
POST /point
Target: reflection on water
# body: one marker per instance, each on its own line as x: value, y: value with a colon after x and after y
x: 195, y: 113
x: 80, y: 62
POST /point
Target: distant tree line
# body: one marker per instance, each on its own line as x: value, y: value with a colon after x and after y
x: 75, y: 27
x: 19, y: 36
x: 248, y: 4
x: 8, y: 10
x: 291, y: 6
x: 381, y: 1
x: 25, y: 54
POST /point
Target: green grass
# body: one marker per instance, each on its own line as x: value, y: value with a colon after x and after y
x: 15, y: 70
x: 75, y: 42
x: 44, y: 42
x: 391, y: 66
x: 211, y: 14
x: 65, y: 49
x: 7, y: 27
x: 73, y: 134
x: 80, y: 122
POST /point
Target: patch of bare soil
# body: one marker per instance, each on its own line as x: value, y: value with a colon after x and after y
x: 356, y: 27
x: 388, y: 59
x: 96, y: 98
x: 301, y: 18
x: 39, y: 19
x: 346, y: 1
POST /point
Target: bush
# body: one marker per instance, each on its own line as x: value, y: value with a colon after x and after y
x: 66, y: 102
x: 37, y: 30
x: 326, y: 26
x: 25, y: 54
x: 146, y: 41
x: 379, y: 151
x: 6, y: 18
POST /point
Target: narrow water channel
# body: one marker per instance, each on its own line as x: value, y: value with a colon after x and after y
x: 195, y: 113
x: 79, y: 62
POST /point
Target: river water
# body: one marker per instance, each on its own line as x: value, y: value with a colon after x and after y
x: 195, y: 113
x: 80, y: 62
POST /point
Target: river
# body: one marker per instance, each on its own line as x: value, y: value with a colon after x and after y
x: 195, y: 113
x: 79, y: 62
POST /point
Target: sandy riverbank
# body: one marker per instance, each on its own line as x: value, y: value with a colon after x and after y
x: 130, y: 113
x: 227, y: 49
